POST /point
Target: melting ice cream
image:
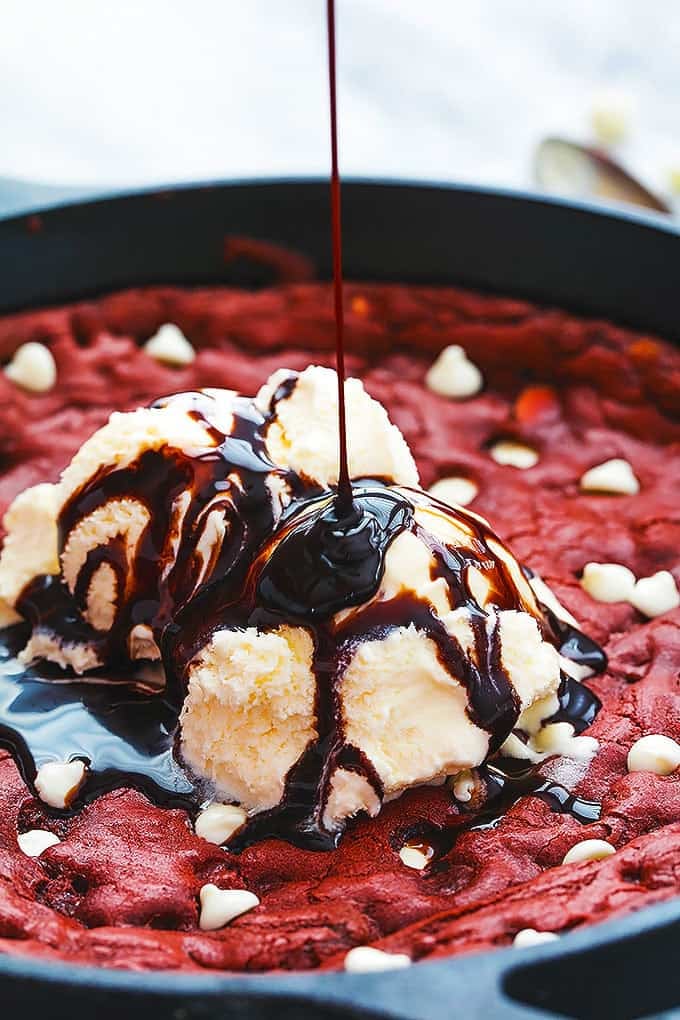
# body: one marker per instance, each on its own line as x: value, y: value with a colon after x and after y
x: 319, y: 662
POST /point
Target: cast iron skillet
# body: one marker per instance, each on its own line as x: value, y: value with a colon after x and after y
x: 617, y: 264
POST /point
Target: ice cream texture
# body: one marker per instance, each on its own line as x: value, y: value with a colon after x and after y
x: 320, y: 664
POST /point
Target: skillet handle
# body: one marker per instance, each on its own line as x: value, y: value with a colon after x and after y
x: 626, y: 968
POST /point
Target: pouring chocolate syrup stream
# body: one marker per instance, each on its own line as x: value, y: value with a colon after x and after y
x: 344, y: 499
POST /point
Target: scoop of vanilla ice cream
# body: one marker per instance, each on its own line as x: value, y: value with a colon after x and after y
x: 249, y: 712
x: 406, y: 712
x: 30, y: 547
x: 303, y: 432
x: 400, y: 703
x: 31, y: 544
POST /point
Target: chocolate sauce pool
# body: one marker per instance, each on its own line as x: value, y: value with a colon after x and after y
x: 117, y: 723
x: 323, y: 553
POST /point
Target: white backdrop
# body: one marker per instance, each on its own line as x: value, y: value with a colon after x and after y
x: 100, y: 92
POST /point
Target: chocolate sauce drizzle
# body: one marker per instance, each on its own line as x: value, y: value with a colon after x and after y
x: 344, y: 495
x: 300, y: 562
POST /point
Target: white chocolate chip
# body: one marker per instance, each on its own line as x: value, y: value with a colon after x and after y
x: 614, y: 475
x: 608, y: 582
x: 460, y: 491
x: 530, y: 937
x: 170, y: 346
x: 655, y: 595
x: 588, y: 850
x: 367, y: 960
x: 35, y: 841
x: 553, y: 736
x: 654, y: 753
x: 220, y: 906
x: 463, y: 786
x: 454, y: 375
x: 512, y: 454
x: 219, y: 822
x: 560, y: 738
x: 58, y: 782
x: 33, y: 368
x: 416, y: 857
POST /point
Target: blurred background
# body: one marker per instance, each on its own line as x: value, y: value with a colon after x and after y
x: 100, y: 94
